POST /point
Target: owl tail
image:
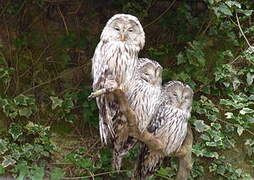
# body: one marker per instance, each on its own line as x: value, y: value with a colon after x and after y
x: 103, y: 133
x: 117, y: 161
x: 106, y: 115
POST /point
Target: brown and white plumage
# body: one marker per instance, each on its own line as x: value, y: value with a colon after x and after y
x: 169, y: 124
x: 142, y: 93
x: 116, y: 54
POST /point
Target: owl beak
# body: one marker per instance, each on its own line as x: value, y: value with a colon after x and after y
x: 122, y: 37
x: 155, y: 83
x: 179, y: 103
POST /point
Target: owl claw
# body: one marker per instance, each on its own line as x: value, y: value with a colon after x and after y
x: 110, y: 84
x: 91, y: 96
x: 103, y: 91
x: 97, y: 93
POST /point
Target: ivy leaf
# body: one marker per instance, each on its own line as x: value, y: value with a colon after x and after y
x: 205, y: 137
x: 3, y: 146
x: 2, y: 171
x: 15, y: 131
x: 246, y: 111
x: 211, y: 144
x: 211, y: 2
x: 8, y: 161
x: 250, y: 78
x: 224, y: 9
x: 246, y: 12
x: 20, y: 100
x: 85, y: 163
x: 23, y: 170
x: 217, y: 126
x: 251, y: 119
x: 221, y: 170
x: 240, y: 130
x: 236, y: 83
x: 200, y: 126
x: 212, y: 167
x: 233, y: 3
x: 212, y: 155
x: 57, y: 174
x: 37, y: 173
x: 13, y: 115
x: 183, y: 76
x: 56, y: 102
x: 229, y: 115
x: 251, y: 97
x: 180, y: 58
x: 163, y: 171
x: 25, y: 112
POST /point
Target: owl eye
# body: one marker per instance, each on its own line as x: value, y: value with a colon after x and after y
x: 116, y: 28
x: 130, y: 30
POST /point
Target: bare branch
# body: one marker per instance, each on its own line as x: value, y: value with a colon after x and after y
x: 239, y: 25
x: 62, y: 16
x: 171, y: 4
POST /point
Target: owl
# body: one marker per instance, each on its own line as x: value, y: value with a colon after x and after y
x: 142, y: 95
x: 116, y: 54
x: 169, y: 124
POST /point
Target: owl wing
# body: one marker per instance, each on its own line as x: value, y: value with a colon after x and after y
x: 170, y: 125
x: 158, y: 119
x: 106, y: 103
x: 98, y: 65
x: 174, y: 131
x: 107, y: 111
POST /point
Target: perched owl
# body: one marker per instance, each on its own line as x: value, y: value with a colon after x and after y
x: 142, y: 93
x: 169, y: 124
x: 116, y: 54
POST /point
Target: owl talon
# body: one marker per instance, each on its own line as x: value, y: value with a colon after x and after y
x: 103, y: 91
x: 91, y: 96
x: 110, y: 84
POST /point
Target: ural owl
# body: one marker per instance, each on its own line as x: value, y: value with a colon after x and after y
x: 116, y: 54
x: 142, y: 93
x: 169, y: 124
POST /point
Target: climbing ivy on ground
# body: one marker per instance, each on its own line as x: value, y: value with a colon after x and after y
x: 26, y: 150
x: 222, y: 78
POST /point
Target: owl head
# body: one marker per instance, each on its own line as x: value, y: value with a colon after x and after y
x: 180, y: 95
x: 124, y: 28
x: 150, y: 71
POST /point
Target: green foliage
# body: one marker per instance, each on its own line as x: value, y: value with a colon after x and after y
x: 137, y: 8
x: 89, y: 108
x: 57, y: 174
x: 62, y: 108
x: 25, y: 147
x: 222, y: 78
x: 20, y: 106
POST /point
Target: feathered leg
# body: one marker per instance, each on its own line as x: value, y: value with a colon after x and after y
x: 122, y: 147
x: 121, y: 130
x: 148, y: 162
x: 185, y: 161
